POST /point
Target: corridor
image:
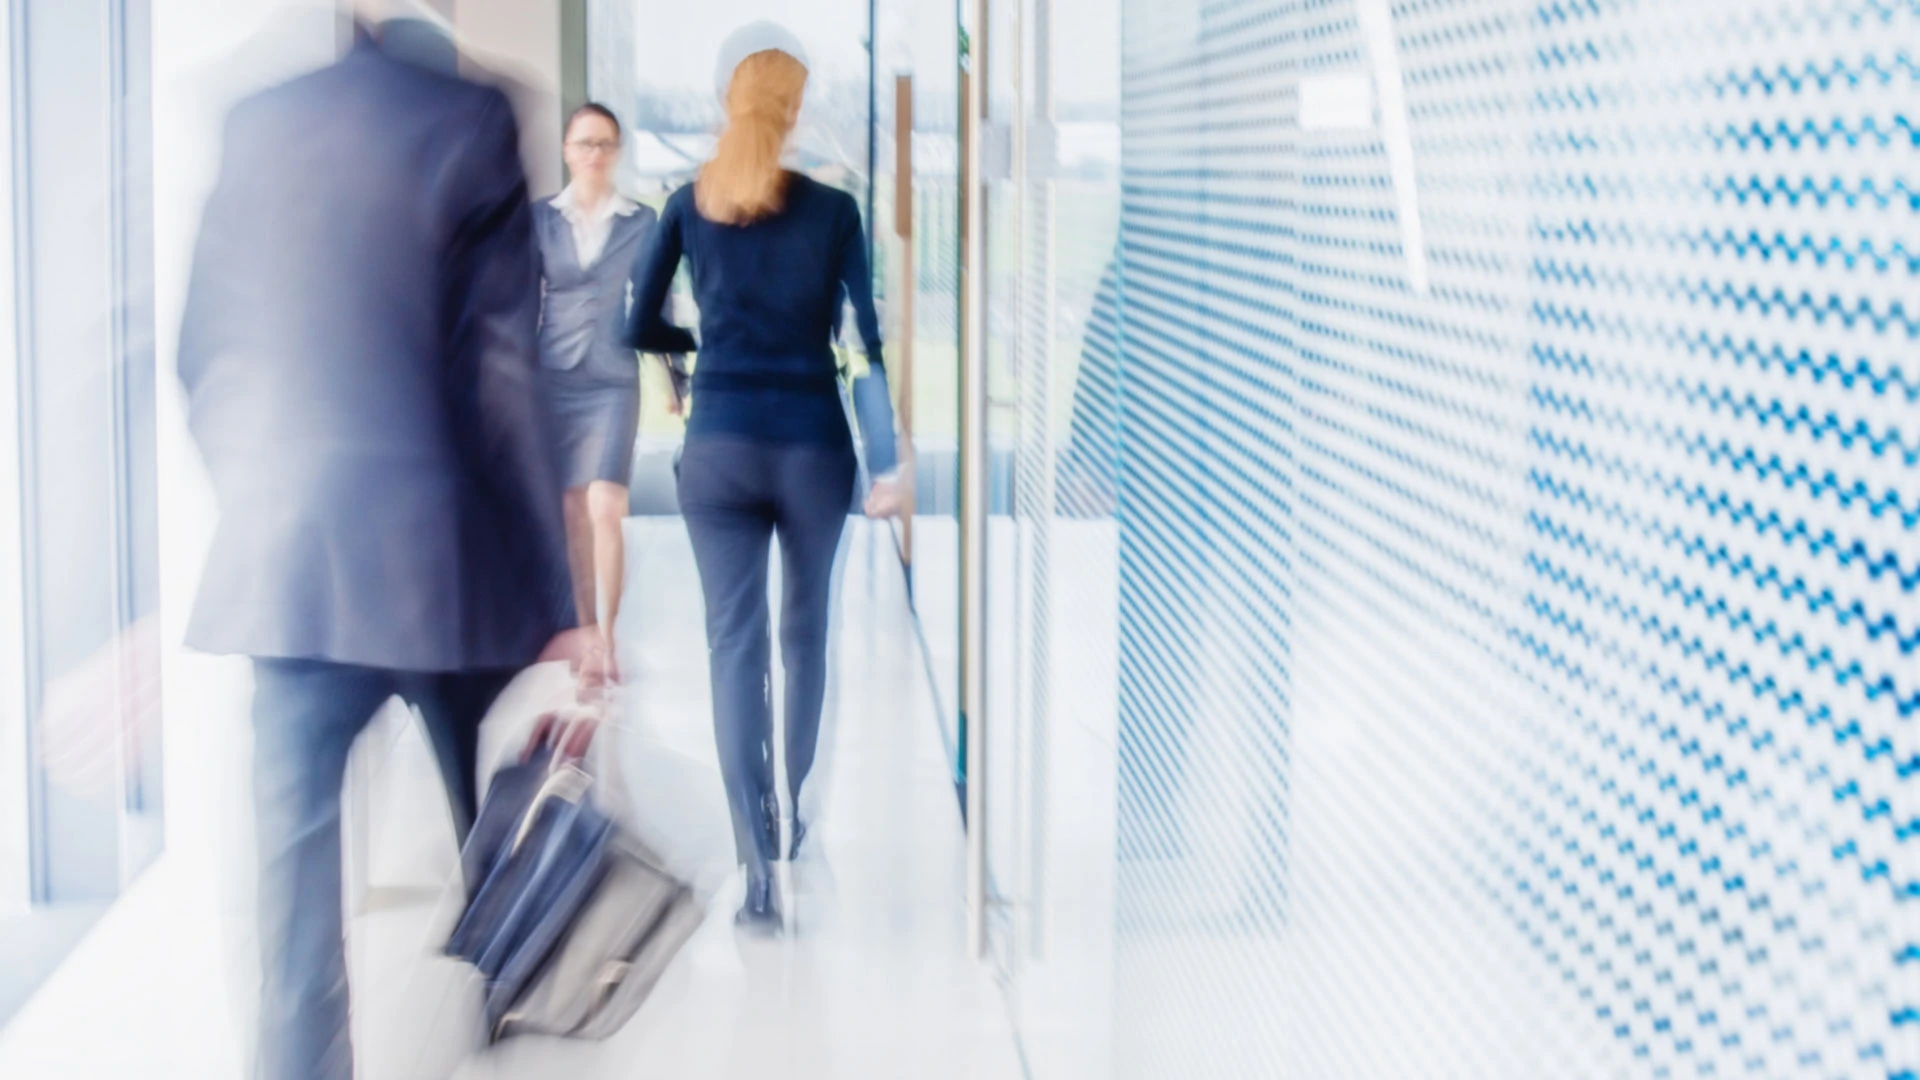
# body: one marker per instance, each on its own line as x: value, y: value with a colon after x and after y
x: 873, y: 979
x: 1408, y: 545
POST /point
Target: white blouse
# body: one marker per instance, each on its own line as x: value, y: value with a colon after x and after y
x: 591, y: 228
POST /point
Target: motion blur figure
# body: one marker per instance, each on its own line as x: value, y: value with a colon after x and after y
x: 774, y: 255
x: 359, y: 357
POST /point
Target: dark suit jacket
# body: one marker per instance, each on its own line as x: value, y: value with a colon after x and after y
x: 359, y: 357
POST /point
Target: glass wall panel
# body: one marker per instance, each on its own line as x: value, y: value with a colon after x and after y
x: 82, y: 505
x: 1503, y: 421
x: 1052, y: 164
x: 920, y: 40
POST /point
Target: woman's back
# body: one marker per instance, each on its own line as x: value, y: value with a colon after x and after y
x: 769, y: 294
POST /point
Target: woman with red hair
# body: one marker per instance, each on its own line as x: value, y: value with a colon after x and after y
x: 773, y: 256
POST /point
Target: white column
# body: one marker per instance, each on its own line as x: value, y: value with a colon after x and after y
x: 520, y: 40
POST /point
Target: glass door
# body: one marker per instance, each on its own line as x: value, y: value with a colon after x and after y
x: 917, y: 270
x: 1049, y: 160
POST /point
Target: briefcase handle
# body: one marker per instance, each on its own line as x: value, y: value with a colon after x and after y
x: 567, y: 783
x: 568, y: 739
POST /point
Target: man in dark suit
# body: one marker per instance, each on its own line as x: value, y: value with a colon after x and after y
x: 358, y: 353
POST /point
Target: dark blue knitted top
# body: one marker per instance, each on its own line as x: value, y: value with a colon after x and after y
x: 770, y: 295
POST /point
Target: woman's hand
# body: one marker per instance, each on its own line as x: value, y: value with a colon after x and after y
x: 677, y: 384
x: 886, y: 498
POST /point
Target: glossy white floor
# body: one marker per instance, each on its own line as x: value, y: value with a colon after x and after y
x: 872, y: 981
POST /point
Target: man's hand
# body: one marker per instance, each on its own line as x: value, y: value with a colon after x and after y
x: 587, y: 654
x: 886, y: 498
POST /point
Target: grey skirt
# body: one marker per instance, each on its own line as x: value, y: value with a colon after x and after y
x: 594, y: 425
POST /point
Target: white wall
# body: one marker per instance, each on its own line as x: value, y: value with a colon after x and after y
x: 520, y: 39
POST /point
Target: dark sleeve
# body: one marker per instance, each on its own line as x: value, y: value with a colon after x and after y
x: 675, y: 363
x: 493, y: 300
x: 856, y: 280
x: 638, y: 270
x: 872, y: 403
x: 648, y: 328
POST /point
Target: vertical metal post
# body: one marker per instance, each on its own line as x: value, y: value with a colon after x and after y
x: 873, y: 124
x: 973, y: 470
x: 576, y: 83
x: 26, y: 396
x: 16, y: 875
x: 909, y: 288
x: 120, y: 408
x: 1034, y: 159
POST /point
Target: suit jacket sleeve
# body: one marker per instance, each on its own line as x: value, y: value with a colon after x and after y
x: 494, y: 308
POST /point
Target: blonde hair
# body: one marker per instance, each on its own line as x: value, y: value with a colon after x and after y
x: 744, y: 180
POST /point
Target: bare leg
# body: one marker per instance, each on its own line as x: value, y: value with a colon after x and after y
x: 607, y: 509
x: 579, y: 552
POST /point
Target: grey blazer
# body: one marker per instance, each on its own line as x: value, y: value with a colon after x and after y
x: 358, y: 352
x: 583, y: 314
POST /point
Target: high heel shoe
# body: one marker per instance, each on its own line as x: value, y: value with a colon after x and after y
x: 761, y: 908
x: 772, y: 820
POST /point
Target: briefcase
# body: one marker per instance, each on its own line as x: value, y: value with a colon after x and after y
x: 570, y: 921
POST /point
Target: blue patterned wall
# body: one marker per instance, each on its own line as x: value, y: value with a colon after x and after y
x: 1520, y: 674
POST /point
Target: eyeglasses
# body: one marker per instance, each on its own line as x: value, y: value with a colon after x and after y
x: 595, y: 146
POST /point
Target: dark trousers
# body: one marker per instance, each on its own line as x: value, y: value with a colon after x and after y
x: 737, y: 495
x: 306, y: 715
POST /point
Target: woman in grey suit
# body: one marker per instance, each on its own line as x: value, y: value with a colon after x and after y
x: 588, y: 237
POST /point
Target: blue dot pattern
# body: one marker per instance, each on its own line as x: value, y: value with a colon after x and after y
x: 1519, y: 677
